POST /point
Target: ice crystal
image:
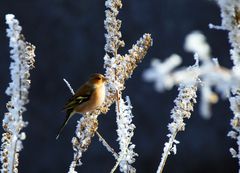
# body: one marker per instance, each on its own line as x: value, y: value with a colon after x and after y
x: 22, y: 54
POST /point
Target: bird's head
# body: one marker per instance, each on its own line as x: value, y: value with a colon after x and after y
x: 97, y: 79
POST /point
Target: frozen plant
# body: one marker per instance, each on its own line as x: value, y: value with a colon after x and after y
x: 125, y: 132
x: 213, y: 76
x: 22, y: 54
x: 230, y: 13
x: 118, y: 69
x: 182, y: 109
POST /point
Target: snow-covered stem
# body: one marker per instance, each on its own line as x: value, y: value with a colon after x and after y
x: 183, y: 108
x: 22, y: 54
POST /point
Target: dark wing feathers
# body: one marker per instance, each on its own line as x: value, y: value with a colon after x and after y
x: 82, y: 95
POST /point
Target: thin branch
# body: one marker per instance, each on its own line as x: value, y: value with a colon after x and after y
x: 183, y: 107
x: 69, y: 86
x: 105, y: 144
x: 22, y: 54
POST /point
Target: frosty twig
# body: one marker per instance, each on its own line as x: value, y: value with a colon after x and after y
x: 230, y: 13
x: 125, y: 132
x: 22, y: 54
x: 184, y: 105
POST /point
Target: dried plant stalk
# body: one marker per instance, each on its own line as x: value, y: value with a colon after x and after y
x: 182, y: 110
x: 118, y: 69
x: 230, y: 12
x: 22, y: 54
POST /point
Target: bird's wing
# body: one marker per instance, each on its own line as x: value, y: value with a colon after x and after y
x: 82, y: 95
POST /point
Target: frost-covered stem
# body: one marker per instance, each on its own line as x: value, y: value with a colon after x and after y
x: 118, y: 68
x: 166, y: 153
x: 183, y: 108
x: 115, y: 166
x: 113, y: 25
x: 69, y: 86
x: 119, y: 159
x: 125, y: 132
x: 22, y: 54
x: 105, y: 144
x: 235, y: 123
x: 230, y: 13
x: 86, y: 129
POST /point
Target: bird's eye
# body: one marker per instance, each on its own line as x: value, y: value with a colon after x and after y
x: 98, y: 78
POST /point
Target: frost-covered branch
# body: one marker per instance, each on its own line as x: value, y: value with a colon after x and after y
x: 113, y: 25
x: 22, y: 54
x: 106, y: 145
x: 87, y: 126
x: 213, y: 76
x: 69, y: 86
x: 125, y: 132
x: 182, y: 109
x: 230, y: 13
x: 118, y: 69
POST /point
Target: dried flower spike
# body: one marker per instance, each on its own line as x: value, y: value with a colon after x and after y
x: 22, y: 54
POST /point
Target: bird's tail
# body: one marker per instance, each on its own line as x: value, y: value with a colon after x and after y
x: 70, y: 112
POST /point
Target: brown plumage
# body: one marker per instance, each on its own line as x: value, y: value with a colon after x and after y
x: 88, y: 97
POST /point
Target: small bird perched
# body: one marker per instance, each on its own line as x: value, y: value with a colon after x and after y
x: 88, y: 97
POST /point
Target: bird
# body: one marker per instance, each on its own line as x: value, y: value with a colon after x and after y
x: 87, y: 98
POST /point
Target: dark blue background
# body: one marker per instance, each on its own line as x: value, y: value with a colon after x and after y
x: 69, y: 40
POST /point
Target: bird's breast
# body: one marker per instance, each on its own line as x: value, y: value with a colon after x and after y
x: 99, y: 95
